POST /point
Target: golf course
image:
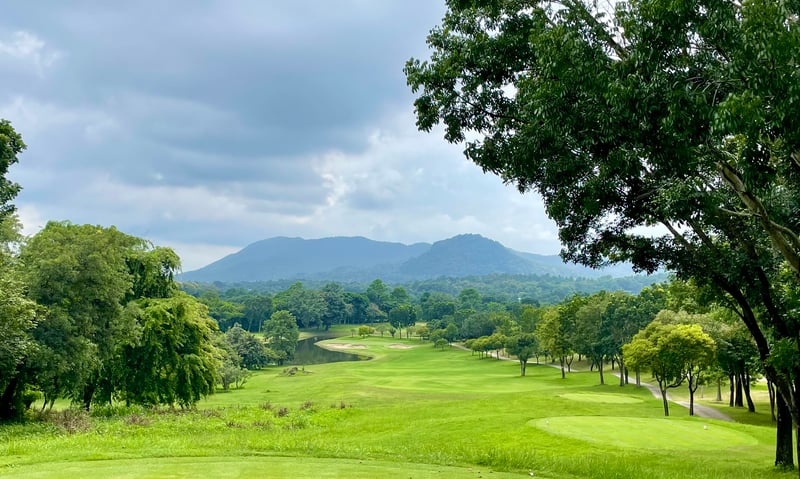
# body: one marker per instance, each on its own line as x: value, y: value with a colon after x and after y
x: 412, y: 411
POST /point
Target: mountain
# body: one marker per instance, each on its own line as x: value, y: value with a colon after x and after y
x: 287, y: 258
x: 466, y: 255
x: 361, y: 259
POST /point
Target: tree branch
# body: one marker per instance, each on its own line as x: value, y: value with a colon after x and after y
x: 785, y: 240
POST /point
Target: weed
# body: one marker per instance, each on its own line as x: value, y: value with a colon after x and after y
x: 137, y: 420
x: 71, y: 421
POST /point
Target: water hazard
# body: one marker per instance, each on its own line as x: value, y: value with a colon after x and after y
x: 309, y: 353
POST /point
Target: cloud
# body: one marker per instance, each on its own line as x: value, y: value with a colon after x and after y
x: 211, y: 125
x: 23, y: 48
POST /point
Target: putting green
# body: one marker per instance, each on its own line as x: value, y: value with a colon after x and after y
x: 601, y: 398
x: 644, y: 433
x: 237, y: 467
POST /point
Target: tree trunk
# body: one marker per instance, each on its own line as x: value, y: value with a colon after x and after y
x: 771, y: 391
x: 600, y: 368
x: 746, y: 386
x: 738, y: 401
x: 621, y: 372
x: 88, y: 394
x: 784, y: 455
x: 10, y: 401
x: 664, y: 400
x: 692, y: 389
x: 522, y: 365
x: 563, y: 373
x: 732, y: 381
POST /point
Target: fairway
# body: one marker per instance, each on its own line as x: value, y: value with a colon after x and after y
x: 412, y: 411
x: 270, y: 467
x: 601, y: 398
x: 638, y: 433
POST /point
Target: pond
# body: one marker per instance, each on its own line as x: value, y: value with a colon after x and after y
x: 309, y: 353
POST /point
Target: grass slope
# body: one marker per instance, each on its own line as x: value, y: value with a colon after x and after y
x: 411, y: 413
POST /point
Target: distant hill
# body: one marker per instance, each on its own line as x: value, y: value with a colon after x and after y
x: 466, y: 255
x: 288, y: 258
x: 360, y: 259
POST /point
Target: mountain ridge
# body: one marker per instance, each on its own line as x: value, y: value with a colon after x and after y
x: 356, y: 258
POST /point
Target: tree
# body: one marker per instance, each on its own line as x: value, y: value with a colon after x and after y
x: 553, y: 336
x: 589, y: 337
x: 524, y: 346
x: 225, y: 313
x: 358, y: 304
x: 282, y: 334
x: 436, y: 306
x: 469, y: 298
x: 80, y: 274
x: 679, y: 114
x: 335, y: 307
x: 306, y: 305
x: 11, y: 145
x: 402, y: 316
x: 257, y: 309
x: 364, y: 331
x: 17, y: 318
x: 477, y: 325
x: 672, y: 352
x: 175, y: 361
x: 250, y: 350
x: 626, y: 315
x: 378, y: 293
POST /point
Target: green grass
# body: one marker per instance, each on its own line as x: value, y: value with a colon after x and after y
x: 415, y: 412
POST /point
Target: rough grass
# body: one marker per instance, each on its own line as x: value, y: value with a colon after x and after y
x: 417, y: 412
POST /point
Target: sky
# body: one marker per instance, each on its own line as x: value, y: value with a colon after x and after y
x: 208, y: 125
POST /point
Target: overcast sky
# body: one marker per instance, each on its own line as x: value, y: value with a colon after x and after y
x: 208, y: 125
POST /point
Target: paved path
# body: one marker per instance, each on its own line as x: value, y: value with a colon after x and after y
x: 699, y: 409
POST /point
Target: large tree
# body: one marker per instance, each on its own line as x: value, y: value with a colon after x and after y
x: 282, y: 334
x: 79, y: 273
x: 684, y: 115
x: 175, y: 360
x: 11, y: 145
x: 17, y: 318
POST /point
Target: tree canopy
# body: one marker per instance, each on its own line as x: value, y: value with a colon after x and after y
x: 681, y: 115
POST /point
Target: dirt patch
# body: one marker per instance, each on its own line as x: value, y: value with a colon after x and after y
x: 345, y: 346
x: 399, y: 346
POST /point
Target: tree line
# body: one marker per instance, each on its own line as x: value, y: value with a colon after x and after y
x: 94, y: 315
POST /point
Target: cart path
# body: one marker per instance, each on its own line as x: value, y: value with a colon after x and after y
x: 699, y: 409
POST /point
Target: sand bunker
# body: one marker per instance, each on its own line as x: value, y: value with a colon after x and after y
x: 399, y: 346
x: 345, y: 346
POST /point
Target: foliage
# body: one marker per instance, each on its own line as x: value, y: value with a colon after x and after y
x: 174, y: 361
x: 402, y: 316
x: 282, y: 334
x: 249, y: 349
x: 684, y: 115
x: 11, y: 145
x: 524, y: 346
x: 672, y: 353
